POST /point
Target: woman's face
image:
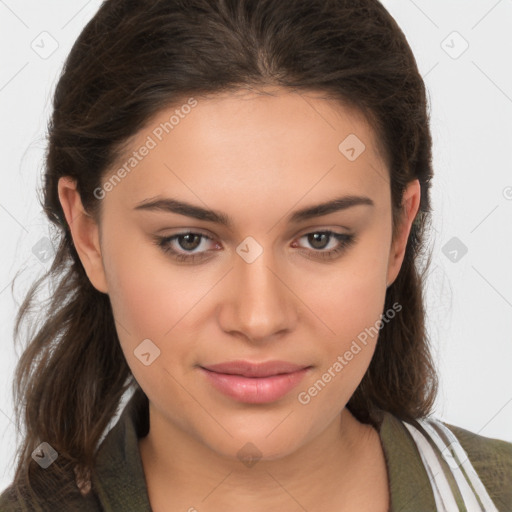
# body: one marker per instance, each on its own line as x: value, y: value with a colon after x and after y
x: 265, y: 284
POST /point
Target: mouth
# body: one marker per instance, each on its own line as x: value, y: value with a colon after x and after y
x: 255, y: 383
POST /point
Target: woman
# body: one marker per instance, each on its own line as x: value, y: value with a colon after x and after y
x: 241, y: 190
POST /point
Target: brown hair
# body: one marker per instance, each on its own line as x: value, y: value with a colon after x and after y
x: 136, y: 57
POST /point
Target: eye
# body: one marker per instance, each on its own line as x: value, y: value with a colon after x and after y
x: 320, y: 240
x: 190, y: 247
x: 186, y: 242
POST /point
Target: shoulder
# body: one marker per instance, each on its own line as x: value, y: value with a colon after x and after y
x: 118, y: 474
x: 12, y: 500
x: 492, y: 460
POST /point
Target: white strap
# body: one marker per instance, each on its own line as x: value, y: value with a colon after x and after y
x: 442, y: 492
x: 445, y: 501
x: 461, y: 457
x: 468, y: 496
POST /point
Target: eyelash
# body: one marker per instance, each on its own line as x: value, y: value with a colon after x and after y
x: 345, y: 241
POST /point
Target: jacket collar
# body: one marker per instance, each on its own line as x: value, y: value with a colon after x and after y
x: 120, y: 482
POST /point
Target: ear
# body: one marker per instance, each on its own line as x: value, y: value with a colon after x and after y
x: 411, y: 202
x: 84, y: 231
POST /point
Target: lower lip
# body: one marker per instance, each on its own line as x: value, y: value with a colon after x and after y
x: 255, y: 390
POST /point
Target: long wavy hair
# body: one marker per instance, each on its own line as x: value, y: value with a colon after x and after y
x: 137, y: 57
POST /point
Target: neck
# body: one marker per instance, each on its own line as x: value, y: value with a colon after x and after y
x: 332, y: 464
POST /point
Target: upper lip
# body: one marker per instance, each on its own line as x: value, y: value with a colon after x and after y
x: 248, y: 369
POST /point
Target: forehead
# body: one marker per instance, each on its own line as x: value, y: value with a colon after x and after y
x: 247, y: 145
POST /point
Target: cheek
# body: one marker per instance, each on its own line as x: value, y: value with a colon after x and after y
x: 150, y: 301
x: 149, y: 295
x: 348, y: 296
x: 351, y: 308
x: 349, y: 300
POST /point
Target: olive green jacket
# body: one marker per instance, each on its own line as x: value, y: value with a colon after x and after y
x: 120, y: 486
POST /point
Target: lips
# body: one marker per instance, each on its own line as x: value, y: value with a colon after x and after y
x: 248, y: 369
x: 254, y: 383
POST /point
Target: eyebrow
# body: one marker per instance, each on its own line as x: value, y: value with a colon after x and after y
x: 171, y: 205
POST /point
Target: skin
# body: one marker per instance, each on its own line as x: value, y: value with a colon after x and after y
x: 257, y: 158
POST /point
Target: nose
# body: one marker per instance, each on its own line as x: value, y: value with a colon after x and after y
x: 258, y: 304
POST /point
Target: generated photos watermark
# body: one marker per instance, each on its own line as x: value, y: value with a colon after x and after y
x: 304, y: 397
x: 151, y: 142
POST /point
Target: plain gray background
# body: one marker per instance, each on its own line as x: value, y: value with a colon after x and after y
x: 463, y: 49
